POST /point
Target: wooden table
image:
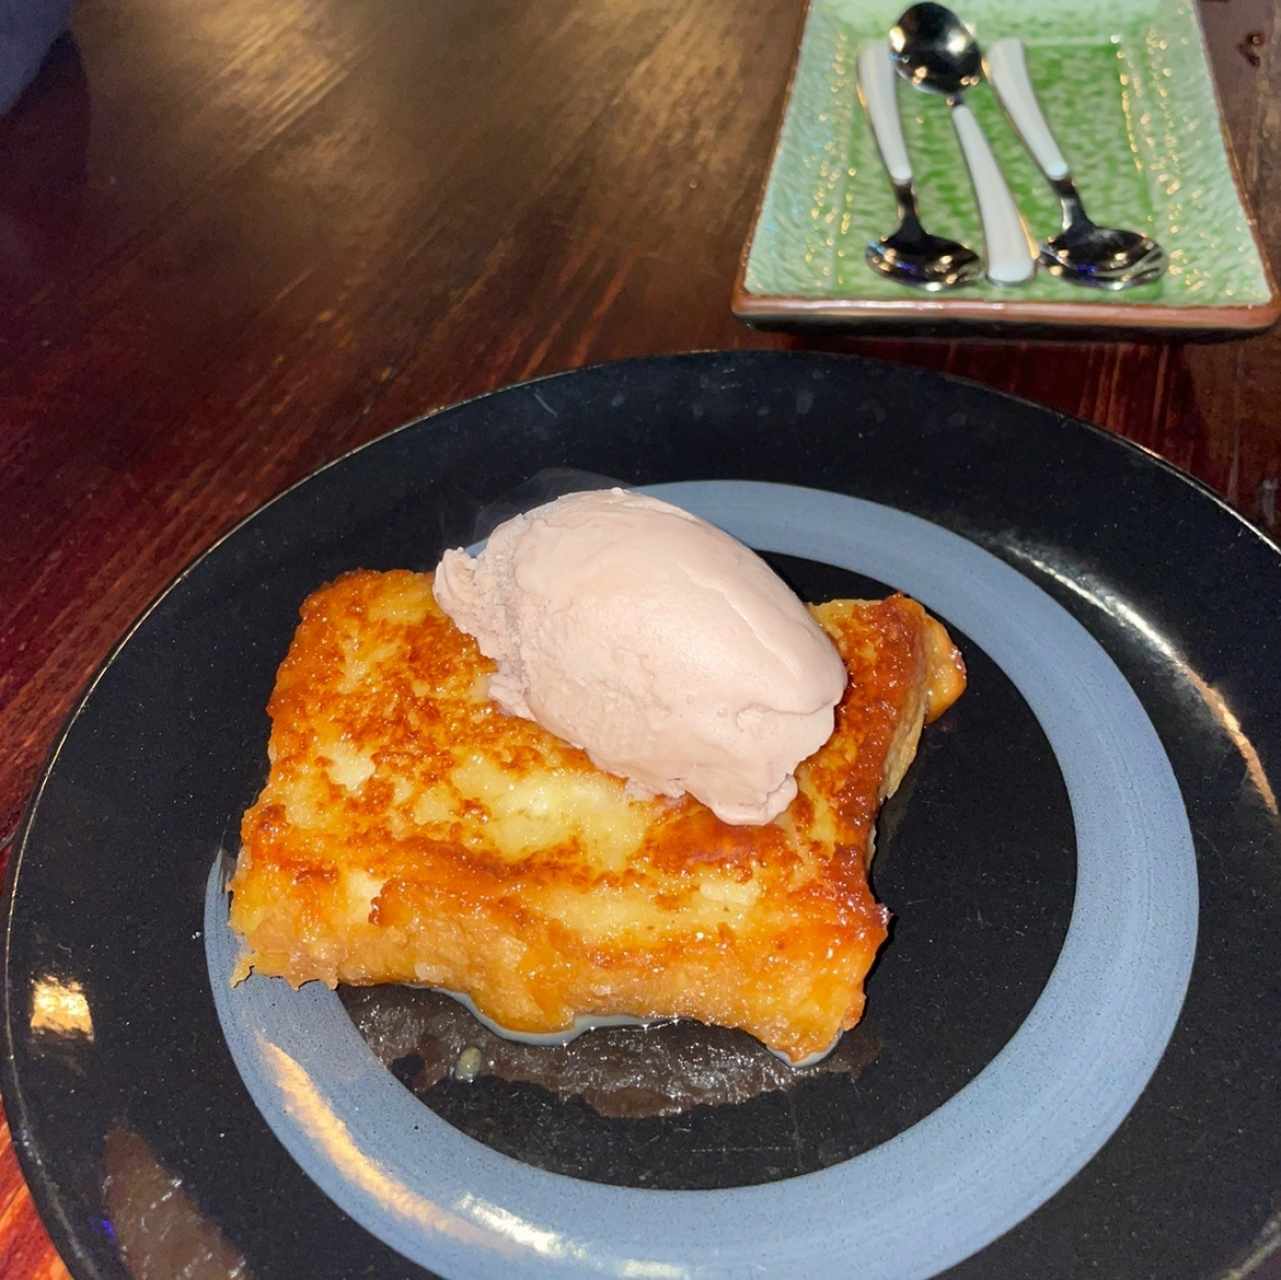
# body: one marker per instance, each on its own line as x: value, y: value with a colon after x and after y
x: 238, y: 238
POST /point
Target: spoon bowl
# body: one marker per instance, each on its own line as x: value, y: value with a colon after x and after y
x: 935, y: 50
x: 911, y: 255
x: 1102, y: 257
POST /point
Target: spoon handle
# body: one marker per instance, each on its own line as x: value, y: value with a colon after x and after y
x: 1011, y: 258
x: 1007, y: 70
x: 880, y: 101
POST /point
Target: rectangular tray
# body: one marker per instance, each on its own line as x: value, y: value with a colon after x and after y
x: 1128, y: 90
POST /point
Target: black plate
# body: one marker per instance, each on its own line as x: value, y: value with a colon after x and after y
x: 117, y: 1080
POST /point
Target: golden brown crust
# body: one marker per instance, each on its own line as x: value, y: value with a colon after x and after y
x: 411, y: 832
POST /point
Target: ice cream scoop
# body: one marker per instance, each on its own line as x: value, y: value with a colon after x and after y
x: 668, y: 651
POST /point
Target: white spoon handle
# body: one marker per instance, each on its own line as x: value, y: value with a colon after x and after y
x: 1011, y: 259
x: 1007, y: 70
x: 876, y: 83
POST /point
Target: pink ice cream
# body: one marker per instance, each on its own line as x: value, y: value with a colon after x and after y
x: 672, y: 654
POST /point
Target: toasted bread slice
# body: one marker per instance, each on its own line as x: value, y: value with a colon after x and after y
x: 411, y: 832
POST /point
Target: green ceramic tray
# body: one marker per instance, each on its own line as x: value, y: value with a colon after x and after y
x: 1127, y: 88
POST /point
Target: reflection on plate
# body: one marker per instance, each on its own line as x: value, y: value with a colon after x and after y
x: 1112, y: 691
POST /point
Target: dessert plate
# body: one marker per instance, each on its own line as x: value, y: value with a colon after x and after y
x: 1066, y: 1055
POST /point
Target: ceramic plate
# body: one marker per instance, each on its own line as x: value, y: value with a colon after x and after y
x: 1127, y: 87
x: 1066, y: 1065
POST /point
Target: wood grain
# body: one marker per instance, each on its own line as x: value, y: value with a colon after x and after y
x: 238, y: 238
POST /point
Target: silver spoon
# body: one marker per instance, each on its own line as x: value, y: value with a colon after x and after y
x: 910, y: 254
x: 934, y: 50
x: 1100, y: 257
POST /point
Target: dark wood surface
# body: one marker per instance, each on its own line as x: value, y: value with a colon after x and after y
x: 238, y: 238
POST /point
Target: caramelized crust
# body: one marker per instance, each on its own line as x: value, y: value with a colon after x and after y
x: 411, y: 832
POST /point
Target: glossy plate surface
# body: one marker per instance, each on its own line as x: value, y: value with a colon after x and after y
x: 1128, y: 91
x: 1112, y: 769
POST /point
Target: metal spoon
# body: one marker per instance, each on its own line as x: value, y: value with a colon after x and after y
x: 910, y: 254
x: 934, y: 50
x: 1100, y: 257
